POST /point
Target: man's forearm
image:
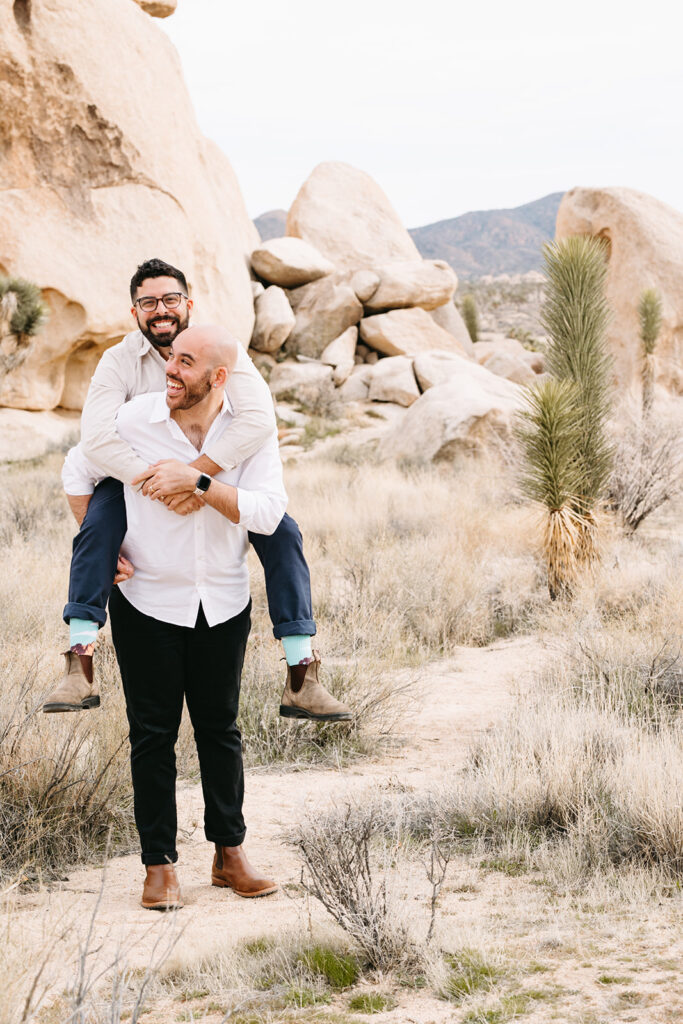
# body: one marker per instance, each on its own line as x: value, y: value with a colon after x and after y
x: 78, y: 503
x: 203, y: 464
x: 223, y: 497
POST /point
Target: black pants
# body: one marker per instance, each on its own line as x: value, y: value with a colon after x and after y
x: 160, y: 664
x: 96, y: 549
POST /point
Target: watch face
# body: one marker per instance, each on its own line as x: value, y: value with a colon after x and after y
x: 203, y: 482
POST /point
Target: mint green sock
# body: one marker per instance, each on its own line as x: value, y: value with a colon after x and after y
x: 297, y: 649
x: 82, y: 632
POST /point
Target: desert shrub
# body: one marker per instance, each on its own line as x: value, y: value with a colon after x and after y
x: 346, y: 856
x: 64, y: 784
x: 648, y: 467
x: 468, y: 309
x: 22, y: 303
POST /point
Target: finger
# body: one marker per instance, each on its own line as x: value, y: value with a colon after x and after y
x: 145, y: 475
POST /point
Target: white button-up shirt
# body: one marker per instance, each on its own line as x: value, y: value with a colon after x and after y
x: 134, y: 367
x: 181, y: 561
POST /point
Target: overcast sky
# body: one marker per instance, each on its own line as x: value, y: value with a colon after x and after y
x: 449, y: 106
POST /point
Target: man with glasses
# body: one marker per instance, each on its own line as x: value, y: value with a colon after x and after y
x: 137, y: 365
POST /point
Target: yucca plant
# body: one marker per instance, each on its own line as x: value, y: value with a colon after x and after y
x: 552, y: 477
x: 650, y: 315
x: 567, y: 451
x: 22, y: 314
x: 470, y: 316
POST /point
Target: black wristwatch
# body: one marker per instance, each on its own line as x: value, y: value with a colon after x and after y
x: 202, y: 485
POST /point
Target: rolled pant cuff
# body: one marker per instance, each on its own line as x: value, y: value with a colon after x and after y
x: 302, y: 627
x: 72, y: 610
x: 159, y: 858
x: 226, y: 840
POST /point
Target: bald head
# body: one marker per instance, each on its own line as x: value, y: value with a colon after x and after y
x: 210, y: 345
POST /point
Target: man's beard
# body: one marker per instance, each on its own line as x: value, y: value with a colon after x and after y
x: 181, y: 322
x: 194, y: 394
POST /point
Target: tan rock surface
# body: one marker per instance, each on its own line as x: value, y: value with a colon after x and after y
x: 88, y: 191
x: 28, y: 435
x: 307, y: 384
x: 289, y: 262
x: 406, y: 332
x: 471, y: 410
x: 274, y: 320
x: 324, y: 310
x: 342, y: 349
x: 448, y: 316
x: 357, y: 385
x: 424, y: 283
x: 511, y: 367
x: 345, y: 214
x: 393, y: 380
x: 432, y: 368
x: 645, y: 239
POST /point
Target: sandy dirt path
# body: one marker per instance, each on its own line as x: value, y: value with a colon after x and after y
x: 456, y: 699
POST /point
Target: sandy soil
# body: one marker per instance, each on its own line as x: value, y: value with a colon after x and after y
x: 454, y: 701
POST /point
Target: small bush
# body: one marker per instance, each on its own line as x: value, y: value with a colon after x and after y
x: 338, y: 969
x: 469, y: 314
x: 345, y: 858
x: 371, y: 1002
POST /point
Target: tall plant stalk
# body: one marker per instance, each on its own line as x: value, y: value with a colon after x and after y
x: 567, y: 452
x: 650, y: 316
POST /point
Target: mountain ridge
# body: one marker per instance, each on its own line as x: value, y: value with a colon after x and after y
x: 481, y: 242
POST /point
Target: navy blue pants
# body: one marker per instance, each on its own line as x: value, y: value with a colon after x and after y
x: 96, y: 550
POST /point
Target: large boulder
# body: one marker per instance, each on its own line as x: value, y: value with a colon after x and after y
x: 468, y: 412
x: 393, y: 380
x: 324, y: 310
x: 289, y: 262
x: 425, y: 283
x: 274, y: 320
x: 406, y: 332
x: 448, y: 316
x: 345, y: 214
x: 434, y: 368
x: 342, y: 349
x: 307, y: 384
x: 645, y: 250
x: 93, y: 180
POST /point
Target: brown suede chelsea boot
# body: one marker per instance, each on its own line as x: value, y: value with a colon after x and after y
x: 75, y: 692
x: 232, y: 870
x: 161, y: 890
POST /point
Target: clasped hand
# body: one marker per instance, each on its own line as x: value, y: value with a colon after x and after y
x: 173, y: 483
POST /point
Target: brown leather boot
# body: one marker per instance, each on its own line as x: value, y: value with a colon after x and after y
x: 75, y: 691
x: 232, y: 870
x: 161, y: 890
x: 306, y: 697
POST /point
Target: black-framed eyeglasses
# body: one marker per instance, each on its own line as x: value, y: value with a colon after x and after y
x: 171, y: 300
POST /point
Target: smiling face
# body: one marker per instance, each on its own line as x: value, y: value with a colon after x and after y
x: 190, y: 376
x: 161, y: 326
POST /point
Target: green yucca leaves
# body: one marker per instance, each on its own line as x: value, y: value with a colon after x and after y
x: 469, y: 315
x: 650, y: 316
x: 549, y: 433
x: 575, y: 316
x: 567, y: 454
x: 29, y: 312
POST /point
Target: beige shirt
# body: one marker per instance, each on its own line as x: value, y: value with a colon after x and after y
x: 134, y: 367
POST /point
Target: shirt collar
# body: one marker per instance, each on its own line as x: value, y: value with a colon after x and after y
x: 160, y: 411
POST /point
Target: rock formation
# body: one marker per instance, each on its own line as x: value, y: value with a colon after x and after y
x: 96, y: 176
x: 345, y: 214
x: 645, y: 250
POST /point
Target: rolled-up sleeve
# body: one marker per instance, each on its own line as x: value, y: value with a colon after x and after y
x: 101, y: 443
x: 79, y: 475
x: 254, y: 422
x: 261, y: 495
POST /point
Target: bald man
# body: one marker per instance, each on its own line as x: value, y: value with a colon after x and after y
x: 161, y: 308
x: 180, y: 622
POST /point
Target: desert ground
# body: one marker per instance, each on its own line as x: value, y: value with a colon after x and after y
x: 483, y: 710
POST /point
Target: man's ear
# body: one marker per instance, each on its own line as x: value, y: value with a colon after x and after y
x: 220, y: 376
x: 190, y: 306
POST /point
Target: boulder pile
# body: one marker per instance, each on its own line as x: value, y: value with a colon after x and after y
x: 346, y: 311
